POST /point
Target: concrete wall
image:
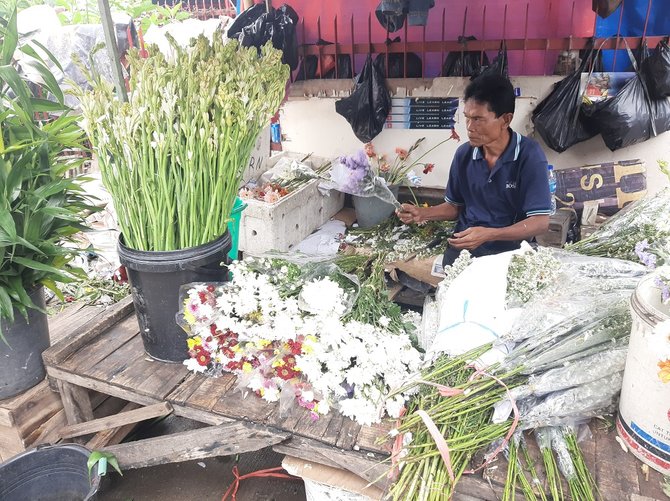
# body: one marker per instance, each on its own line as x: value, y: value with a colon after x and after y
x: 310, y: 124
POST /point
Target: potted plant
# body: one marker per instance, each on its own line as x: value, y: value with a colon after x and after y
x: 172, y: 159
x: 40, y: 208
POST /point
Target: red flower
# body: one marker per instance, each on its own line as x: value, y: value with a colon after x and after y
x: 211, y: 288
x: 285, y: 372
x: 454, y: 135
x: 370, y: 150
x: 234, y: 366
x: 203, y: 297
x: 428, y: 168
x: 202, y: 356
x: 289, y: 360
x: 214, y: 330
x: 295, y: 347
x: 120, y: 276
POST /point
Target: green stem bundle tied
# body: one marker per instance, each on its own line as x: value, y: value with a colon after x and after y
x: 174, y: 155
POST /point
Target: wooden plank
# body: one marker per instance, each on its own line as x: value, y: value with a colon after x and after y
x: 70, y: 345
x: 370, y: 437
x: 113, y: 436
x: 199, y: 415
x: 25, y: 411
x: 101, y: 386
x: 348, y: 434
x: 614, y: 471
x: 234, y: 404
x: 98, y: 349
x: 208, y: 392
x: 76, y: 402
x: 186, y: 389
x: 314, y: 428
x: 221, y: 440
x: 110, y: 368
x: 120, y: 419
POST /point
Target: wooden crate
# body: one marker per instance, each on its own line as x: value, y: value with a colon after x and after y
x: 30, y: 418
x: 37, y: 415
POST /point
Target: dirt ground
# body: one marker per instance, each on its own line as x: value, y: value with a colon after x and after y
x: 199, y: 480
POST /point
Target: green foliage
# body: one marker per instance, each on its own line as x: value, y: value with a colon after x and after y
x: 40, y: 208
x: 104, y: 458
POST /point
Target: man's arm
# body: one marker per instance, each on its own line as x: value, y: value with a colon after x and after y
x: 471, y: 238
x: 443, y: 212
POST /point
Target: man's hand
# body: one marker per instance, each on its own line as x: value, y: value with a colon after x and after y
x: 471, y: 238
x: 409, y: 214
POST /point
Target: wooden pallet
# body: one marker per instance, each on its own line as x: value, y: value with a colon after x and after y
x: 107, y: 356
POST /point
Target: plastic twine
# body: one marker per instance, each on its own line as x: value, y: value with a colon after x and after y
x: 270, y: 472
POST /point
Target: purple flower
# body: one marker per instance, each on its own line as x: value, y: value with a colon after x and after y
x: 647, y: 258
x: 665, y: 288
x: 359, y: 172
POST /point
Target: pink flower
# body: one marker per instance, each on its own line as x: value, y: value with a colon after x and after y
x: 370, y: 150
x: 428, y: 168
x: 384, y: 167
x: 402, y: 153
x: 271, y: 197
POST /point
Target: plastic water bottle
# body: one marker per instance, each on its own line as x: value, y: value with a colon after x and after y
x: 552, y: 187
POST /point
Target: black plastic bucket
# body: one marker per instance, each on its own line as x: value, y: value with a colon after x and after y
x: 49, y: 473
x: 21, y: 365
x: 155, y: 278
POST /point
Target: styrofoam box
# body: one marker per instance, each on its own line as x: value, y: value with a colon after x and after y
x: 265, y: 227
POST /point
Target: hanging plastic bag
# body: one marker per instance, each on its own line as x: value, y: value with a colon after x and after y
x: 369, y: 104
x: 557, y: 116
x: 256, y: 26
x: 396, y: 63
x: 499, y: 66
x: 631, y: 116
x: 605, y: 7
x: 656, y: 71
x: 466, y: 63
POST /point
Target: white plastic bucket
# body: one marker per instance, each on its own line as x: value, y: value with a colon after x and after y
x: 644, y: 409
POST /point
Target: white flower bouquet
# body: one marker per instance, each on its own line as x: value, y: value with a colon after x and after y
x: 283, y: 335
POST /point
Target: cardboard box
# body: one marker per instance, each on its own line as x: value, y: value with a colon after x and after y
x: 613, y: 184
x: 324, y: 482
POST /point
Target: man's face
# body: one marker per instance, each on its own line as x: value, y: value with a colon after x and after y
x: 482, y: 124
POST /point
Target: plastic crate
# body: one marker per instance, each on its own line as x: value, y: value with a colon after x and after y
x: 265, y: 227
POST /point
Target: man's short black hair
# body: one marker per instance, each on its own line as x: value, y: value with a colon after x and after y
x: 494, y: 90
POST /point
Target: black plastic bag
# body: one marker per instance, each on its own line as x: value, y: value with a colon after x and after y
x: 656, y: 71
x: 557, y: 116
x: 397, y: 65
x: 604, y: 7
x: 309, y: 68
x: 255, y: 27
x: 396, y: 61
x: 466, y: 63
x: 369, y: 104
x: 499, y: 64
x: 631, y: 116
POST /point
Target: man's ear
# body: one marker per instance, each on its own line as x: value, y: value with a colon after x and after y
x: 507, y: 118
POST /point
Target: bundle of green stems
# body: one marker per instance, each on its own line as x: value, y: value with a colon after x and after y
x: 464, y: 421
x: 174, y: 155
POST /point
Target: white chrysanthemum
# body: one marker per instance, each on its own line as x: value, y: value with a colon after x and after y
x: 193, y: 365
x: 323, y: 297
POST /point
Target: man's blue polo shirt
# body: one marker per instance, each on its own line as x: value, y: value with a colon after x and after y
x: 516, y: 188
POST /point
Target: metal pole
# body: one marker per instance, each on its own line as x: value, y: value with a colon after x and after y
x: 112, y: 49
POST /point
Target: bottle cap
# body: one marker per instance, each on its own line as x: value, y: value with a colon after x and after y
x: 550, y: 167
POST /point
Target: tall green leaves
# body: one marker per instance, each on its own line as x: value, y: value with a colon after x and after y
x: 39, y: 207
x: 173, y: 157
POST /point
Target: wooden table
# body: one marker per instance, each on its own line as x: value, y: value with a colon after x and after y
x: 106, y: 355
